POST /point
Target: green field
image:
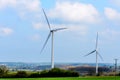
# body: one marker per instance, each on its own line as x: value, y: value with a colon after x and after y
x: 79, y: 78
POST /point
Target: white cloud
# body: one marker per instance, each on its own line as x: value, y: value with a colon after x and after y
x: 73, y: 28
x: 35, y: 37
x: 29, y: 5
x: 23, y: 7
x: 75, y: 12
x: 26, y: 9
x: 37, y: 25
x: 115, y: 2
x: 79, y: 29
x: 5, y: 31
x: 5, y: 3
x: 110, y: 34
x: 112, y: 14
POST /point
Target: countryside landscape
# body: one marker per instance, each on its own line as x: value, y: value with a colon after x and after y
x: 59, y: 40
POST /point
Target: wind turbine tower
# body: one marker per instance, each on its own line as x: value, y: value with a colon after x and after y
x: 51, y: 32
x: 97, y: 54
x: 116, y: 65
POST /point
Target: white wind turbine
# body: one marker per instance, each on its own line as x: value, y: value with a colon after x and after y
x: 52, y: 39
x: 97, y: 54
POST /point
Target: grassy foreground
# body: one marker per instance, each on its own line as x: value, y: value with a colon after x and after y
x: 78, y: 78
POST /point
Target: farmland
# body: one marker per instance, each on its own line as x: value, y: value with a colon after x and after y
x: 78, y: 78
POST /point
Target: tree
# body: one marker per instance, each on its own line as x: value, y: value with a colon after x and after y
x: 56, y: 72
x: 3, y: 70
x: 21, y: 74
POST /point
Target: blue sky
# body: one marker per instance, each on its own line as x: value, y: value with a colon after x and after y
x: 23, y: 30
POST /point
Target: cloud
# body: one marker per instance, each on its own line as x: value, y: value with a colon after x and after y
x: 37, y: 26
x: 6, y: 3
x: 75, y: 12
x: 5, y: 31
x: 115, y: 2
x: 72, y: 28
x: 29, y: 5
x: 35, y: 37
x: 79, y: 29
x: 112, y: 14
x: 28, y: 10
x: 110, y: 34
x: 23, y: 7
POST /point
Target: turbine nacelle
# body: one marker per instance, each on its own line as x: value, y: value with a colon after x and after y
x: 58, y: 29
x: 94, y: 52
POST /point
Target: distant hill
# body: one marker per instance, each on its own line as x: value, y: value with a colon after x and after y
x: 43, y: 66
x: 90, y: 70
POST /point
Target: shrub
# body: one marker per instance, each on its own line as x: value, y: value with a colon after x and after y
x: 56, y: 72
x: 3, y: 70
x: 34, y: 75
x: 9, y: 76
x: 44, y: 73
x: 21, y: 74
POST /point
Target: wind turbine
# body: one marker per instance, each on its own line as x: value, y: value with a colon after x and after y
x: 52, y: 31
x: 97, y: 54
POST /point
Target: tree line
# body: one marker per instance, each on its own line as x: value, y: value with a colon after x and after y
x: 55, y: 72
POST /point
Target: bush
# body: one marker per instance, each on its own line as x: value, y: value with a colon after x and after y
x: 21, y: 74
x: 56, y: 72
x: 34, y: 75
x: 3, y: 70
x: 9, y: 76
x: 44, y: 73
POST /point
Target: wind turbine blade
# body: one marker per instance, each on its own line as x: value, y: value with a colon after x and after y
x: 90, y: 53
x: 96, y: 41
x: 59, y: 29
x: 45, y: 42
x: 46, y: 19
x: 100, y: 56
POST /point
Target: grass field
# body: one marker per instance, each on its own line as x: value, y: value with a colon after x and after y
x: 78, y: 78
